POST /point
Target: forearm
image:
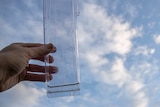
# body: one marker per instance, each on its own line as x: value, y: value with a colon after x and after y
x: 1, y: 78
x: 1, y: 68
x: 3, y: 72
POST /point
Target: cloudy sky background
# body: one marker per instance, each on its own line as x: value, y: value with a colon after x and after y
x: 118, y: 48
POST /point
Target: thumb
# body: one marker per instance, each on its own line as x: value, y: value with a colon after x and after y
x: 35, y: 52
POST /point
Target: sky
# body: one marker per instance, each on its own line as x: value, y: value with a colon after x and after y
x: 119, y: 50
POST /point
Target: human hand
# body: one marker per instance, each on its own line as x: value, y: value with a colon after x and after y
x: 14, y: 66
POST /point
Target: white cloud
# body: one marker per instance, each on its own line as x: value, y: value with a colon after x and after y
x: 131, y: 9
x: 151, y: 25
x: 144, y: 50
x: 116, y: 75
x: 26, y: 95
x: 99, y: 35
x: 105, y: 34
x: 157, y: 39
x: 136, y: 90
x: 24, y: 26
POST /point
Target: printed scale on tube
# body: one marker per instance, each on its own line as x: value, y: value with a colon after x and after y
x: 60, y: 29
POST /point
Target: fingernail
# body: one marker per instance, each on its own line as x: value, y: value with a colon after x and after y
x: 50, y: 77
x: 54, y: 69
x: 49, y: 46
x: 54, y: 49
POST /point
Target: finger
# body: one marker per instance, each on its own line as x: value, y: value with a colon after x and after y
x: 37, y: 68
x: 36, y: 52
x: 48, y: 58
x: 30, y: 44
x: 37, y: 77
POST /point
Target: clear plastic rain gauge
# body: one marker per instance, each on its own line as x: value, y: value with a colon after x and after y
x: 60, y: 29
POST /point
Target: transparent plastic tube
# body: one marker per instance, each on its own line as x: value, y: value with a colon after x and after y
x: 60, y: 29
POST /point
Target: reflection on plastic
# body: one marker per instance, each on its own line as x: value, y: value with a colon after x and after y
x: 60, y: 29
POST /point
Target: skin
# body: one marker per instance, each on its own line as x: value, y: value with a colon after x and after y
x: 14, y: 66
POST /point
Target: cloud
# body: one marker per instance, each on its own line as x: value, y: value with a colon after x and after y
x: 131, y: 9
x: 118, y: 75
x: 107, y: 34
x: 104, y: 43
x: 101, y: 35
x: 21, y: 23
x: 24, y: 94
x: 157, y: 39
x: 144, y: 50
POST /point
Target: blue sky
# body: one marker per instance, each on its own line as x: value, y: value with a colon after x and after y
x: 118, y: 53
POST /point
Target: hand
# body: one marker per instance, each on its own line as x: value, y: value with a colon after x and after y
x: 14, y: 64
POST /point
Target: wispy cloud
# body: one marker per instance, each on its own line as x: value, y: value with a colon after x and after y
x: 21, y: 23
x: 144, y: 50
x: 101, y: 35
x: 105, y: 46
x: 26, y: 95
x: 111, y: 32
x: 157, y: 39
